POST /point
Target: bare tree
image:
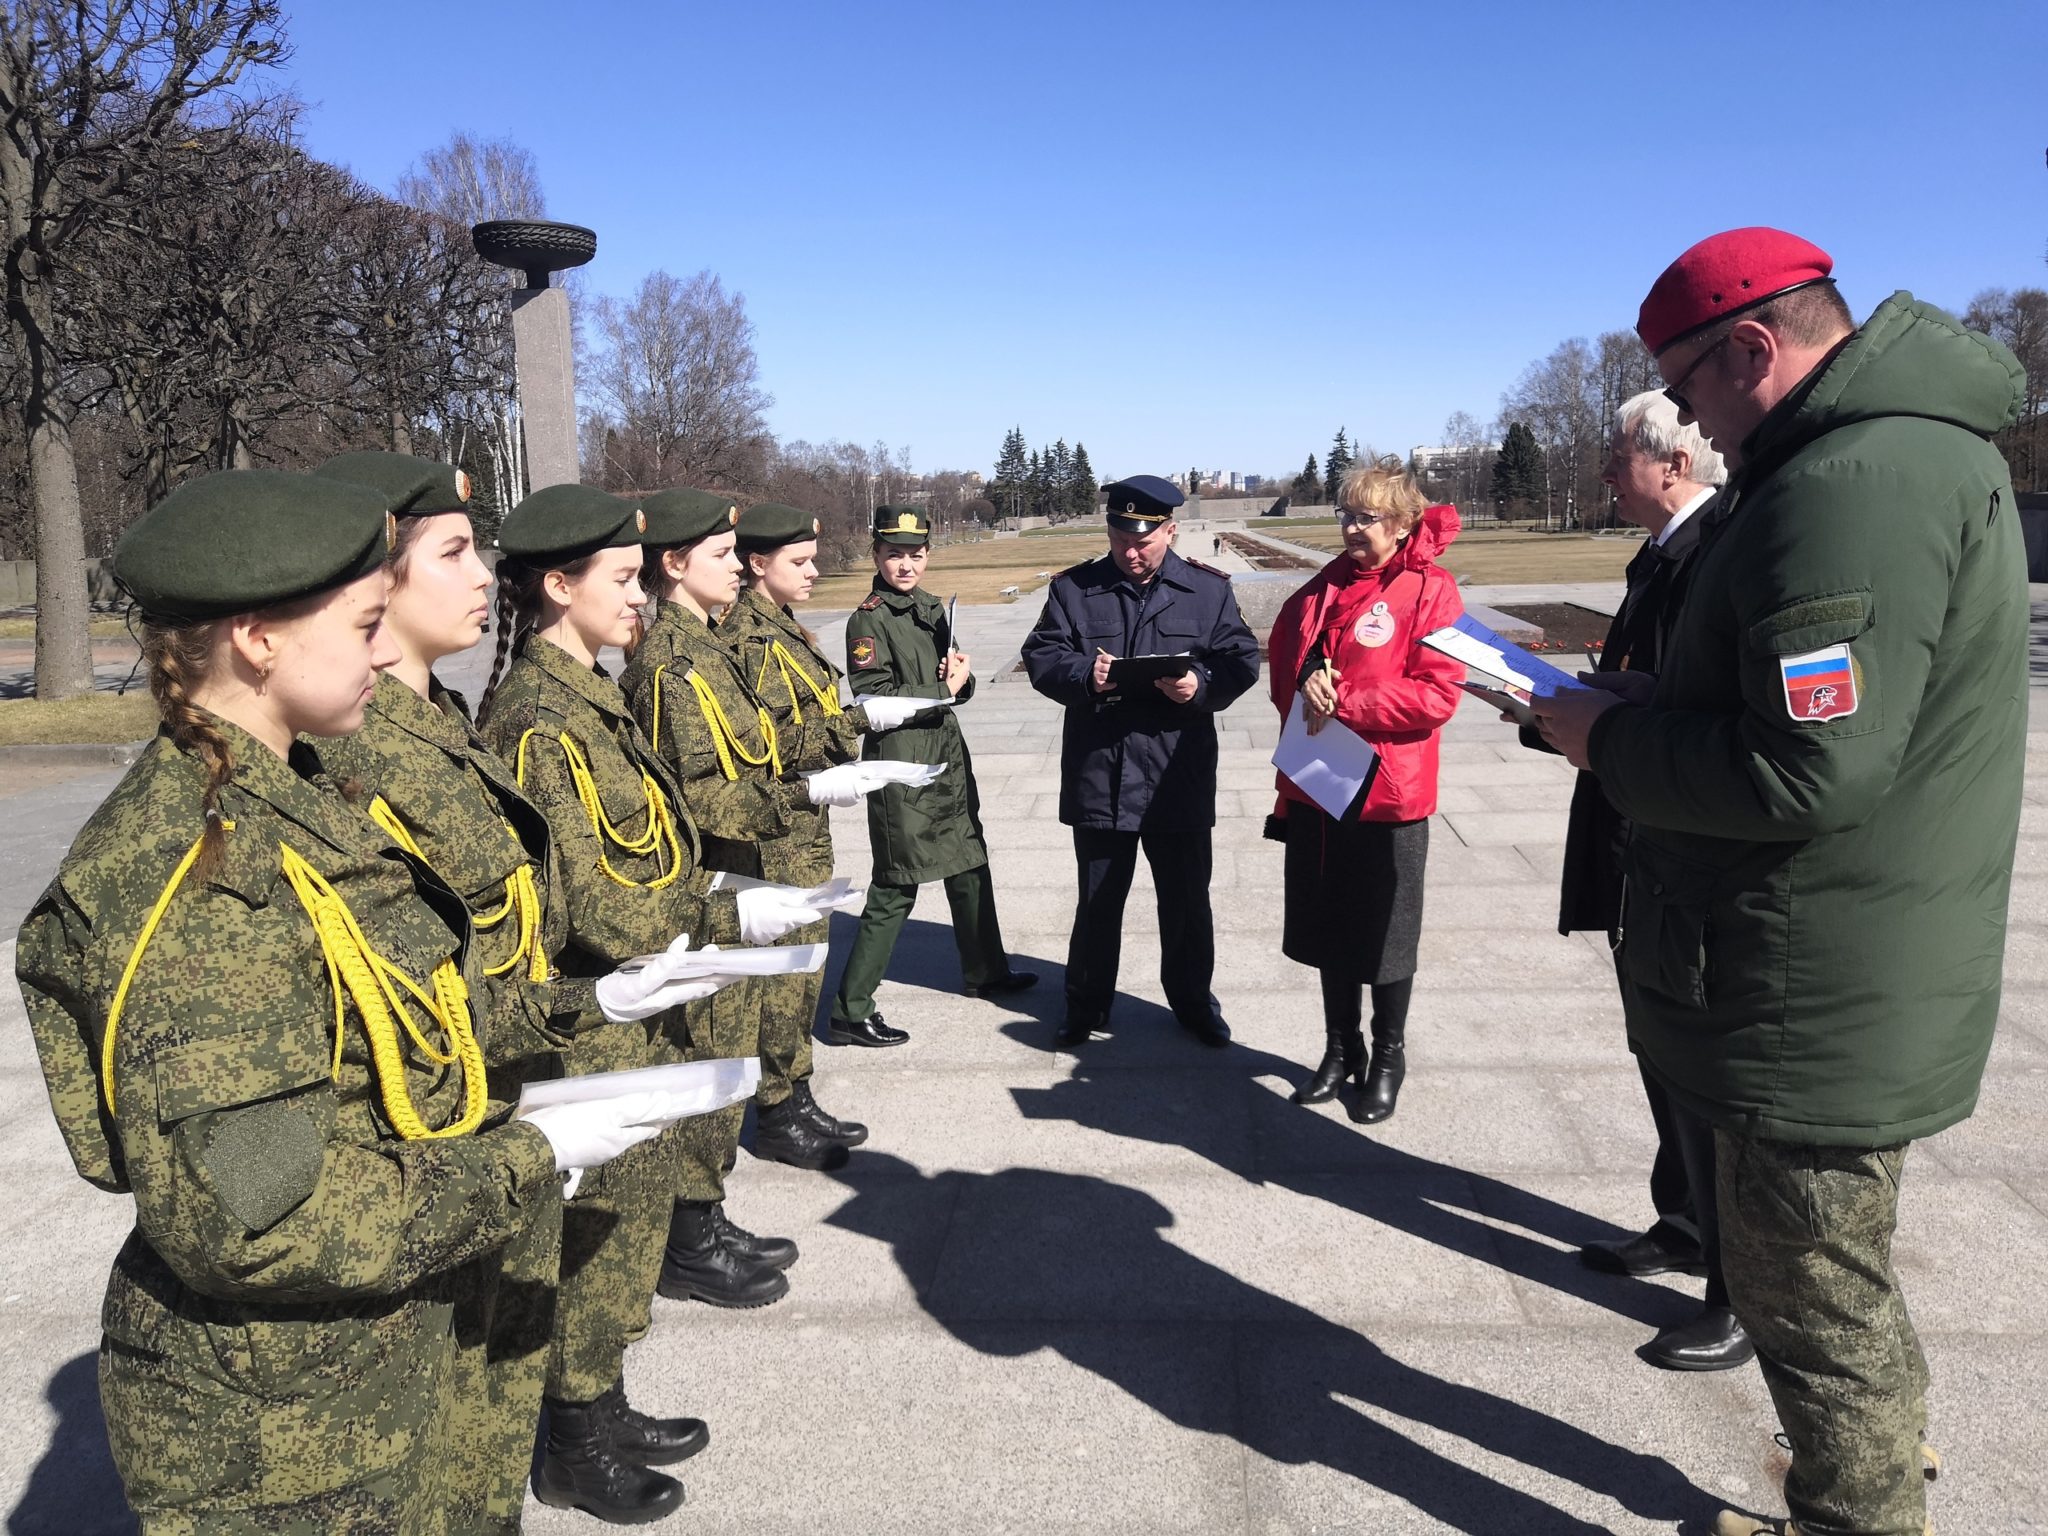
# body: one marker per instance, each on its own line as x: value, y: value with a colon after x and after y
x: 674, y: 379
x: 1558, y: 399
x: 2019, y: 319
x: 89, y: 94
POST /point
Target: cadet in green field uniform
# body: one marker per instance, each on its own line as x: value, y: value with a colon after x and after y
x: 898, y: 646
x: 691, y: 703
x: 780, y: 661
x: 259, y: 1016
x: 633, y: 875
x: 427, y: 779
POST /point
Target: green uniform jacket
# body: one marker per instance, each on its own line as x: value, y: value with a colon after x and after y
x: 545, y: 695
x: 1814, y: 913
x: 277, y: 1323
x: 734, y: 795
x: 895, y: 645
x: 463, y: 808
x: 782, y: 666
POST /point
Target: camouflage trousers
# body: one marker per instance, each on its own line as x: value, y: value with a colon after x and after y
x: 1806, y: 1242
x: 789, y: 1008
x: 727, y: 1024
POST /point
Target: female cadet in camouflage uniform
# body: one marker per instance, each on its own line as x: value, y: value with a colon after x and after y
x: 254, y: 1012
x: 686, y: 696
x: 898, y: 645
x: 633, y: 873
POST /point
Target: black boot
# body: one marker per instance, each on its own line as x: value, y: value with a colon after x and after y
x: 783, y: 1135
x: 699, y: 1265
x: 1343, y: 1056
x: 581, y: 1469
x: 848, y: 1133
x: 1381, y: 1086
x: 651, y: 1442
x: 775, y: 1252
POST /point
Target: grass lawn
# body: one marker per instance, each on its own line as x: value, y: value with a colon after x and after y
x: 24, y: 628
x: 1490, y: 557
x: 92, y: 717
x: 980, y: 571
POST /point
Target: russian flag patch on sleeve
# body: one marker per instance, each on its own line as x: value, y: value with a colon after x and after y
x: 1820, y: 685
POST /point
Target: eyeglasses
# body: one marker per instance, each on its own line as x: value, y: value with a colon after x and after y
x: 1350, y: 519
x: 1675, y: 392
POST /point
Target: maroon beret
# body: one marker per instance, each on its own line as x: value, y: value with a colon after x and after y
x: 1723, y: 275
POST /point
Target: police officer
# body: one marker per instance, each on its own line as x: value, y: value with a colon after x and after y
x: 1824, y: 785
x: 1138, y: 759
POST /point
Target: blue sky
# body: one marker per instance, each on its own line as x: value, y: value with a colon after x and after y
x: 1198, y: 233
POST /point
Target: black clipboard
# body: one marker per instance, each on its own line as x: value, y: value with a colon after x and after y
x: 1126, y: 670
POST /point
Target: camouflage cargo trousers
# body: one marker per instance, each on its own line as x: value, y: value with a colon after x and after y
x: 1806, y: 1241
x: 728, y: 1024
x: 789, y: 1007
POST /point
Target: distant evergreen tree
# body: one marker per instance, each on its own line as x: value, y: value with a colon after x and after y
x: 1058, y: 465
x: 1006, y: 489
x: 1518, y: 470
x: 1336, y: 466
x: 1080, y: 484
x: 1037, y: 489
x: 1308, y: 485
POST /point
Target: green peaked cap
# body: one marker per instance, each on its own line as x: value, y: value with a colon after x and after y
x: 772, y: 525
x: 412, y: 487
x: 683, y: 516
x: 903, y: 525
x: 567, y: 522
x: 246, y: 539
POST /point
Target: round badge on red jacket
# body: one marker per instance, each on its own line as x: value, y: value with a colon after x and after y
x: 1375, y: 627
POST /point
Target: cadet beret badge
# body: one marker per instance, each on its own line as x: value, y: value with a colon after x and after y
x: 462, y: 485
x: 732, y: 517
x: 639, y: 520
x: 816, y: 527
x: 390, y: 532
x: 863, y: 651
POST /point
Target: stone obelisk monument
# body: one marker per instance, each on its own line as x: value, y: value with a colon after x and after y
x: 543, y: 358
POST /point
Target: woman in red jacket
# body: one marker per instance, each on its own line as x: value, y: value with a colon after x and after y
x: 1349, y: 644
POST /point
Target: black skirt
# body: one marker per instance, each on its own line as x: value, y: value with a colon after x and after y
x: 1354, y: 895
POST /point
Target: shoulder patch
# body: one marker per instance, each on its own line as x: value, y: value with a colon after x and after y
x: 1820, y: 685
x: 874, y: 601
x: 863, y: 650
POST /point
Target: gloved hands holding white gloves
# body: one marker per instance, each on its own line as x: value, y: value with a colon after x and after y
x: 590, y: 1134
x: 767, y: 912
x: 642, y: 988
x: 844, y: 785
x: 886, y: 714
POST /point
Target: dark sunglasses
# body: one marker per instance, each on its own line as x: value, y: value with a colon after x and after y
x: 1675, y: 392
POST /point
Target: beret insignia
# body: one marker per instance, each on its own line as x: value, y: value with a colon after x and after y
x: 462, y: 485
x: 732, y: 516
x: 390, y: 532
x: 639, y: 520
x: 816, y: 527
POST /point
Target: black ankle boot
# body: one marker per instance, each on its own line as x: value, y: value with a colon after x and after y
x: 698, y: 1264
x: 642, y: 1438
x: 1343, y: 1055
x: 783, y: 1135
x: 775, y: 1252
x: 848, y: 1133
x: 1380, y: 1088
x: 581, y: 1469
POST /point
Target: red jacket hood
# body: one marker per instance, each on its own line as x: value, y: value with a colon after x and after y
x: 1432, y: 536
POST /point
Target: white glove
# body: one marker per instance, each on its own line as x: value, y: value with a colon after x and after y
x: 886, y: 714
x: 843, y: 785
x: 589, y: 1135
x: 650, y: 986
x: 767, y: 912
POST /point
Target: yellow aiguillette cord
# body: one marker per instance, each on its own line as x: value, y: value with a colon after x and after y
x: 521, y: 896
x: 792, y: 671
x: 661, y: 825
x: 723, y: 736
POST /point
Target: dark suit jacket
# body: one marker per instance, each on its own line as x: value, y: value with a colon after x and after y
x: 1590, y: 897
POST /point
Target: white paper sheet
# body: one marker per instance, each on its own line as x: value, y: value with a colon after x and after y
x: 1329, y: 767
x: 689, y: 1088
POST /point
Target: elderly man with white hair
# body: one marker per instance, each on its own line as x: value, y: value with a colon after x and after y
x: 1662, y: 473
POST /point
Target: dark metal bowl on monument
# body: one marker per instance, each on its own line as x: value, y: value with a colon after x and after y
x: 533, y: 246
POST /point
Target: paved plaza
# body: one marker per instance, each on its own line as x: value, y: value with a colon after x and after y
x: 1134, y: 1290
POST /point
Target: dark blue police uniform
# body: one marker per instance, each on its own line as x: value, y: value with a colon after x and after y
x: 1136, y: 769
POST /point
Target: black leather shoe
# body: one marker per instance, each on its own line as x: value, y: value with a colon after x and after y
x: 1343, y: 1056
x: 698, y: 1266
x: 1642, y: 1255
x: 1380, y: 1089
x: 1209, y: 1029
x: 775, y: 1252
x: 1078, y: 1027
x: 868, y: 1031
x: 1713, y: 1341
x: 848, y: 1133
x: 650, y: 1441
x: 581, y: 1469
x: 782, y: 1135
x: 1009, y: 981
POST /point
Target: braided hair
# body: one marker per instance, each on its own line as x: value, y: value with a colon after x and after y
x: 178, y: 657
x: 517, y: 614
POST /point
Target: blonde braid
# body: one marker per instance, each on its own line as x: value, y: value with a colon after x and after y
x: 178, y: 657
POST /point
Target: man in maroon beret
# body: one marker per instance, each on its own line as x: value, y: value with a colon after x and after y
x: 1824, y: 785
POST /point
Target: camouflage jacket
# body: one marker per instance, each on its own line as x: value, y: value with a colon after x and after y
x: 264, y: 1168
x: 460, y: 804
x: 782, y: 666
x: 720, y: 751
x: 552, y: 713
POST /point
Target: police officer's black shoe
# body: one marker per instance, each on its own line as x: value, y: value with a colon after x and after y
x: 848, y: 1133
x: 1343, y: 1055
x: 782, y: 1135
x: 775, y: 1252
x: 1009, y: 981
x: 1078, y: 1027
x: 1646, y: 1254
x: 1380, y: 1090
x: 650, y: 1441
x: 868, y: 1031
x: 1208, y: 1028
x: 581, y: 1469
x: 1713, y: 1341
x: 697, y: 1264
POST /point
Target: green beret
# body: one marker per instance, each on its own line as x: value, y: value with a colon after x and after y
x: 412, y: 487
x: 683, y: 516
x: 567, y: 522
x: 902, y: 525
x: 246, y: 539
x: 772, y: 525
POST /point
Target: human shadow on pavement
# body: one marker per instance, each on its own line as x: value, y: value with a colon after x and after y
x: 1297, y: 1148
x: 74, y: 1489
x: 925, y: 957
x: 1077, y: 1264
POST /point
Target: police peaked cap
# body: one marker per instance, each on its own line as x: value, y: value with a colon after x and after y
x: 1141, y: 503
x: 567, y: 522
x: 411, y: 487
x: 908, y: 526
x: 772, y: 525
x: 683, y: 516
x: 246, y: 539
